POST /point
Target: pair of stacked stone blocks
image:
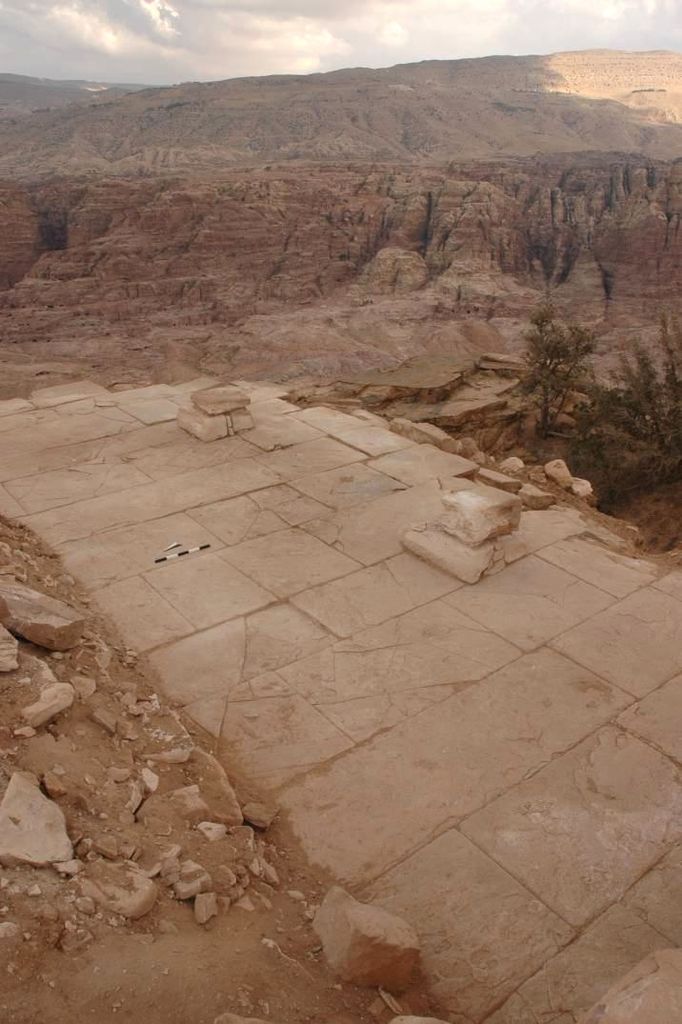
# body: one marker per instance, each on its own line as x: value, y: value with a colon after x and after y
x: 215, y: 413
x: 472, y: 536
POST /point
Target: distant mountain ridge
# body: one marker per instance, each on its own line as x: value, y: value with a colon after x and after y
x: 433, y: 111
x: 21, y: 95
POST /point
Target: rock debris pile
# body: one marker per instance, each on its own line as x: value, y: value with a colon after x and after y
x: 108, y: 808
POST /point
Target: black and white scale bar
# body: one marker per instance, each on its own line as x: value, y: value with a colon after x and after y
x: 179, y: 554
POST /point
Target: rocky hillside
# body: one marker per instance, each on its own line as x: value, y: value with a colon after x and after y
x: 431, y: 111
x: 340, y: 267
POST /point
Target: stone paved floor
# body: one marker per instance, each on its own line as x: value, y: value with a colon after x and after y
x: 499, y: 763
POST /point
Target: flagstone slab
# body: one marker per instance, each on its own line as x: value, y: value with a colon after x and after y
x: 64, y: 486
x: 636, y: 643
x: 538, y: 530
x: 373, y: 440
x: 530, y: 602
x: 288, y: 561
x: 481, y: 932
x: 269, y: 434
x: 268, y: 408
x: 444, y: 763
x: 11, y: 406
x: 204, y: 665
x: 9, y: 506
x: 372, y: 531
x: 671, y: 584
x: 270, y: 734
x: 658, y: 718
x: 207, y: 590
x: 160, y: 461
x: 370, y: 596
x: 19, y: 423
x: 657, y: 897
x: 363, y: 717
x: 347, y: 486
x: 582, y: 830
x: 144, y: 618
x: 429, y: 646
x: 310, y: 457
x: 293, y: 507
x: 570, y: 983
x: 118, y: 554
x: 595, y: 564
x: 151, y: 501
x: 278, y: 635
x: 422, y: 462
x: 70, y: 430
x: 57, y: 394
x: 329, y: 421
x: 151, y: 410
x: 238, y: 519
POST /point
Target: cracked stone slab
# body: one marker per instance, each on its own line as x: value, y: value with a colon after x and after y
x: 57, y: 394
x: 207, y: 590
x: 310, y: 457
x: 481, y: 932
x: 203, y: 665
x: 657, y: 896
x: 582, y: 830
x: 238, y: 519
x: 272, y: 734
x: 428, y: 646
x: 658, y: 718
x: 150, y: 501
x: 374, y: 440
x: 530, y: 602
x: 362, y: 717
x: 276, y: 432
x: 347, y: 486
x: 64, y: 486
x: 671, y: 584
x: 569, y: 984
x: 594, y: 564
x: 288, y: 561
x: 118, y: 554
x: 185, y: 454
x: 370, y: 596
x: 372, y: 530
x: 144, y: 618
x: 445, y: 763
x: 636, y: 644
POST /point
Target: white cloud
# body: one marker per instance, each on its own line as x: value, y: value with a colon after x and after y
x: 173, y: 40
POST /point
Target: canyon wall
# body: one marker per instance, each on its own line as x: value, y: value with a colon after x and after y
x: 331, y: 266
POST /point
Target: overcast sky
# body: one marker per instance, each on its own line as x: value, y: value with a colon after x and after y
x: 162, y: 41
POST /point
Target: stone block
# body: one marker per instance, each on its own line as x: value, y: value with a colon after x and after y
x: 38, y: 618
x: 222, y: 399
x: 492, y: 478
x: 202, y: 425
x: 364, y: 944
x: 53, y: 700
x: 449, y: 553
x: 240, y: 420
x: 476, y: 515
x: 558, y: 471
x: 533, y: 498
